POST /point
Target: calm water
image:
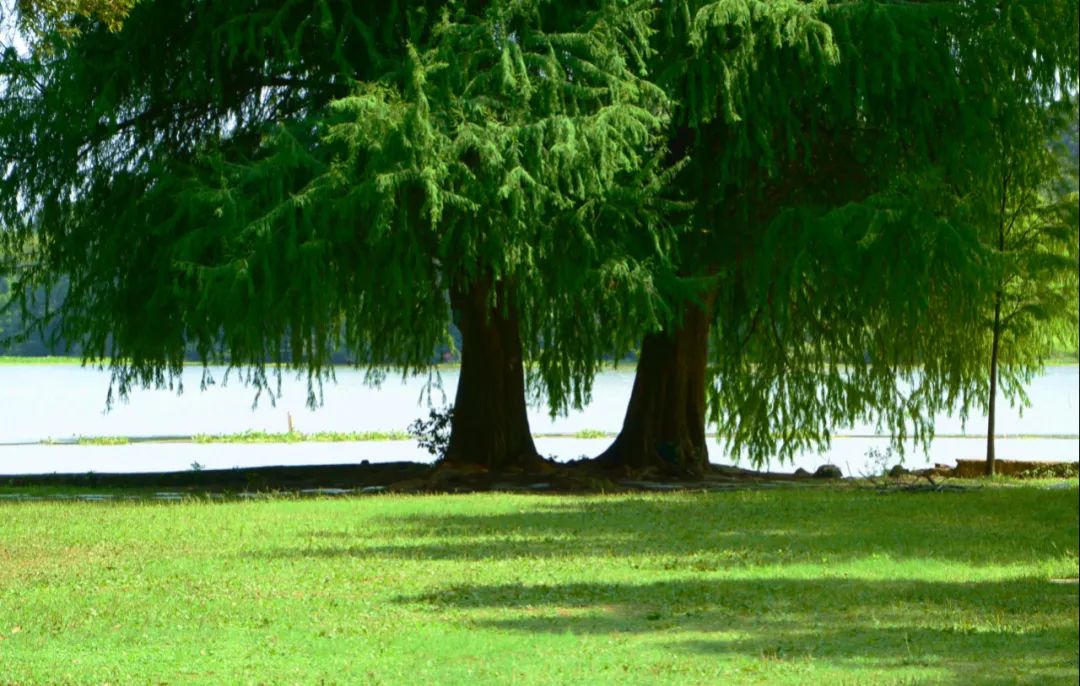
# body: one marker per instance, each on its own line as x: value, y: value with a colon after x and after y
x: 65, y: 401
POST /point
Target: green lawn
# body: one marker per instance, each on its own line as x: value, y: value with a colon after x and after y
x: 770, y: 586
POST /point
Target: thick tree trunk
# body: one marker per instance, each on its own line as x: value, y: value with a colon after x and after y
x: 490, y: 427
x: 664, y: 428
x: 991, y: 405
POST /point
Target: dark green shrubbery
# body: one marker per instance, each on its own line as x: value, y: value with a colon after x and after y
x: 433, y: 434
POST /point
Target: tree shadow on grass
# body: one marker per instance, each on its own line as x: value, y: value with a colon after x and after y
x: 979, y: 631
x: 1007, y: 631
x: 717, y: 531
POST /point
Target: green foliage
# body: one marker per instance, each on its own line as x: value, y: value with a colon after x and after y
x: 40, y: 17
x: 16, y: 337
x: 13, y: 360
x: 7, y: 317
x: 433, y: 434
x: 591, y: 433
x: 826, y: 175
x: 268, y: 184
x: 782, y: 586
x: 252, y: 436
x: 1029, y: 223
x: 102, y: 440
x: 266, y: 194
x: 301, y: 437
x: 1053, y: 471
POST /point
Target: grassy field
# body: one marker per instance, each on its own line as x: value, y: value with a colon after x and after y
x: 768, y: 586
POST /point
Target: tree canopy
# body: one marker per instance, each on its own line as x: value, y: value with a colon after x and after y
x: 266, y: 183
x: 247, y: 143
x: 37, y: 19
x: 776, y: 195
x: 844, y: 271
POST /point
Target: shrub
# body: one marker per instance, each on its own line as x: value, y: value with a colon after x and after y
x: 433, y: 433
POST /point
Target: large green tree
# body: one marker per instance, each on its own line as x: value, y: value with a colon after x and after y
x: 836, y: 273
x: 268, y: 181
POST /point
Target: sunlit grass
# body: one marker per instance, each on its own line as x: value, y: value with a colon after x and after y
x: 768, y: 586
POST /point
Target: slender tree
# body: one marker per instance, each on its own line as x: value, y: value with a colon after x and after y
x: 836, y: 270
x: 267, y: 183
x: 1030, y: 224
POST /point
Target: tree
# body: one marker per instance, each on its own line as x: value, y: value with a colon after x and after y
x: 40, y: 17
x: 1030, y: 226
x: 267, y: 183
x: 713, y: 59
x: 823, y: 141
x: 6, y: 317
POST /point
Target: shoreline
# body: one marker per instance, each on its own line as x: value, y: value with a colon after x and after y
x: 414, y: 477
x: 250, y: 437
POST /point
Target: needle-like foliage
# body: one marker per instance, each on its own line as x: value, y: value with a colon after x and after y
x: 829, y: 146
x: 268, y: 182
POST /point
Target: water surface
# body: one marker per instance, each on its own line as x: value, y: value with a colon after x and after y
x: 41, y: 402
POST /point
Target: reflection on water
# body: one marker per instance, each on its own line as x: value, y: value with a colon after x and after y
x: 62, y: 401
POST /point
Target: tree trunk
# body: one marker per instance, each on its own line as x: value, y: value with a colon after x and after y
x: 996, y: 340
x: 991, y: 405
x: 664, y: 428
x: 490, y: 427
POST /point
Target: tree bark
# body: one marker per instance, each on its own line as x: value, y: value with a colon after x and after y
x: 664, y: 427
x: 991, y: 405
x: 490, y: 427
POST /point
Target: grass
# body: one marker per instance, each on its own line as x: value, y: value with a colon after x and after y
x: 11, y: 360
x: 241, y: 437
x: 103, y: 440
x: 1062, y: 359
x: 592, y: 433
x: 769, y: 586
x: 301, y: 437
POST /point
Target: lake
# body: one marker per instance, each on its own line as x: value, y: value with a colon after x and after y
x: 61, y: 401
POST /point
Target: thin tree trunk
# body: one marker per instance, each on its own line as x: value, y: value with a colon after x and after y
x: 664, y: 427
x: 490, y: 427
x: 996, y: 340
x: 991, y: 405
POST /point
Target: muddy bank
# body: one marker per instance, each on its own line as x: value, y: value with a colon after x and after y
x: 418, y: 477
x: 973, y: 469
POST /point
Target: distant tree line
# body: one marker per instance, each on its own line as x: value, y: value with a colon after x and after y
x: 18, y: 340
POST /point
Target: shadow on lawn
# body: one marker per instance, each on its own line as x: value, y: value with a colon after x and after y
x: 975, y: 631
x: 717, y: 531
